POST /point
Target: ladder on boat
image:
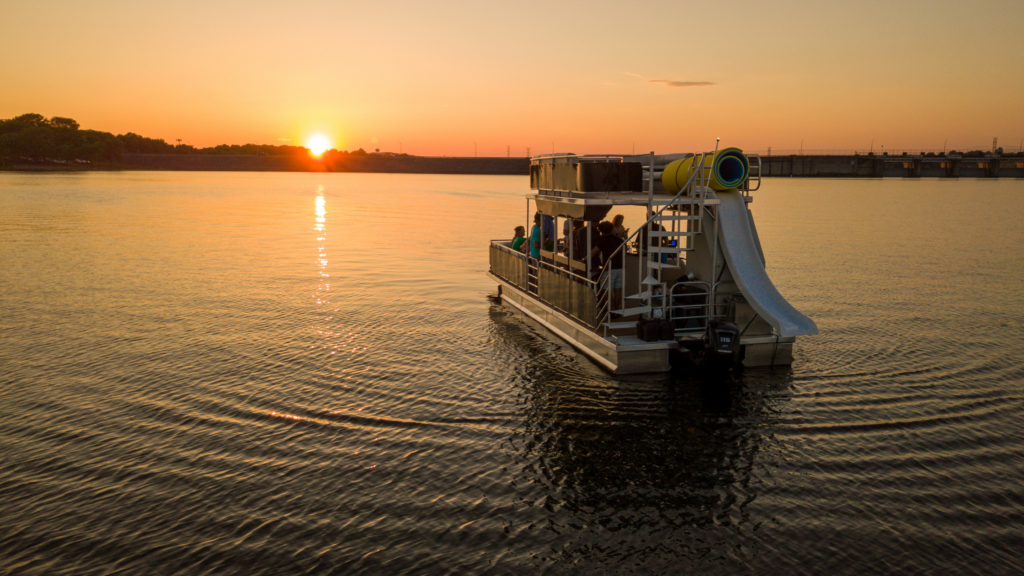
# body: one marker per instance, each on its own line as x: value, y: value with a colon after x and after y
x: 665, y: 237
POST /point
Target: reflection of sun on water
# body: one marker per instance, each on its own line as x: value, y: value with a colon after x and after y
x: 318, y: 144
x: 321, y: 220
x: 321, y: 213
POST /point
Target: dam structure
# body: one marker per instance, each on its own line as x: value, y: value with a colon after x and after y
x: 882, y: 166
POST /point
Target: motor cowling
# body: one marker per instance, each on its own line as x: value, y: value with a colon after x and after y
x: 721, y: 341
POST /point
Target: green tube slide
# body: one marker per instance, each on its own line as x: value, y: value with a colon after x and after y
x: 727, y: 170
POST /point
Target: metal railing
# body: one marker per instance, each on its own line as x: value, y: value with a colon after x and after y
x: 568, y: 272
x: 500, y: 244
x: 533, y: 284
x: 752, y: 178
x: 604, y: 311
x: 681, y: 312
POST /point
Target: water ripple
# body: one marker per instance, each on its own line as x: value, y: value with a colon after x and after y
x: 255, y: 373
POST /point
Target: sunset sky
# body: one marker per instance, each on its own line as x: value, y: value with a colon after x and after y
x: 583, y: 77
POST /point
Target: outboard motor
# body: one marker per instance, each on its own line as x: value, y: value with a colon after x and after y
x: 721, y: 343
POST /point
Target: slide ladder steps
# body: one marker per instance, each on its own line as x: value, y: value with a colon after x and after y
x: 674, y: 223
x: 672, y: 233
x: 619, y: 325
x: 633, y: 311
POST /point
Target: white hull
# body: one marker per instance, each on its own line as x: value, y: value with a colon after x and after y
x: 624, y: 357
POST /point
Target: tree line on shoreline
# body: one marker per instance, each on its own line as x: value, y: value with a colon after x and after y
x: 34, y: 137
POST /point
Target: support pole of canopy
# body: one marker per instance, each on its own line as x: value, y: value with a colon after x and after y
x: 714, y: 264
x: 588, y: 256
x: 540, y: 254
x: 641, y: 272
x: 571, y: 240
x: 529, y: 241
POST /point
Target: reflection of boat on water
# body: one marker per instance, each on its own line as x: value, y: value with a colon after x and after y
x: 691, y: 278
x: 612, y: 474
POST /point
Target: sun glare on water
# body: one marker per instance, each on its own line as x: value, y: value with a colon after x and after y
x: 318, y: 144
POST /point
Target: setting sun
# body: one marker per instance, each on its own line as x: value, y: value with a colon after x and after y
x: 318, y: 144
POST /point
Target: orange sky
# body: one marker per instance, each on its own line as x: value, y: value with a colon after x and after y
x: 439, y: 76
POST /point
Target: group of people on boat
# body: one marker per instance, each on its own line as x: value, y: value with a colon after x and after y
x: 574, y: 237
x: 605, y: 239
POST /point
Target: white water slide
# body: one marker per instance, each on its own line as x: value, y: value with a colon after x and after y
x: 748, y: 271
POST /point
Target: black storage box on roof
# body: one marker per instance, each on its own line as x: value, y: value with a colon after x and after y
x: 609, y: 177
x: 570, y: 173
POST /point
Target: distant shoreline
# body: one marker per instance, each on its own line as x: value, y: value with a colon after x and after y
x: 772, y: 166
x: 370, y: 163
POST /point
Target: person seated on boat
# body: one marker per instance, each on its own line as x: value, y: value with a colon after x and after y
x: 549, y: 232
x: 569, y: 237
x: 581, y: 244
x: 571, y: 248
x: 572, y: 242
x: 581, y: 235
x: 607, y: 246
x: 535, y: 236
x: 619, y: 230
x: 578, y: 249
x: 520, y: 239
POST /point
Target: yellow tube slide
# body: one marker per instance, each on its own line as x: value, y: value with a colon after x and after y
x: 727, y: 170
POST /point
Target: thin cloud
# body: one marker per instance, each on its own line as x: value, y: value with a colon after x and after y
x: 679, y: 83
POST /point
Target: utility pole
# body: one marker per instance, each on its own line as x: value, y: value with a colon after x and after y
x: 769, y: 150
x: 994, y: 142
x: 944, y: 142
x: 527, y: 151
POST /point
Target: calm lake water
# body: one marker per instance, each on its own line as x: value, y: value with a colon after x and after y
x: 290, y: 373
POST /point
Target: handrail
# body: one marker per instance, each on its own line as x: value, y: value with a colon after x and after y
x: 699, y: 171
x: 711, y: 307
x: 705, y: 306
x: 573, y: 265
x: 542, y: 262
x: 745, y: 187
x: 545, y: 264
x: 509, y: 249
x: 656, y: 215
